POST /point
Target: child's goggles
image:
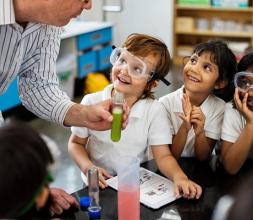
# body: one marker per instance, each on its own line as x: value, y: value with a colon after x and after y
x: 244, y: 81
x: 136, y: 67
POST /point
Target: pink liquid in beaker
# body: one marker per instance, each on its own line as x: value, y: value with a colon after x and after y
x: 128, y: 205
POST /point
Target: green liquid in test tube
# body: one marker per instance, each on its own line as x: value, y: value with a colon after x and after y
x: 117, y: 113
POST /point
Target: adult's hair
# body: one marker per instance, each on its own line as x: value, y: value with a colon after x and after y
x: 143, y: 45
x: 246, y: 62
x: 24, y: 160
x: 225, y: 59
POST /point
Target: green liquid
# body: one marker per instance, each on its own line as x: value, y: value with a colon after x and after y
x: 116, y: 125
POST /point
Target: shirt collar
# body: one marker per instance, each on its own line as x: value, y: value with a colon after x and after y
x: 30, y: 27
x: 178, y: 104
x: 136, y: 110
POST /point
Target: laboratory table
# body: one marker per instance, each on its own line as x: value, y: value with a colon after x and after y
x: 214, y: 184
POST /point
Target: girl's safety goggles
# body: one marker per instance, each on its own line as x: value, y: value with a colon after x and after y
x: 244, y: 81
x: 135, y: 66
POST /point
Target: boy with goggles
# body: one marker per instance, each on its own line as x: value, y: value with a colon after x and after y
x: 137, y: 67
x: 237, y: 135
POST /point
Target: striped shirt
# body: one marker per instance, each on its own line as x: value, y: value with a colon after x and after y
x: 31, y: 54
x: 6, y: 12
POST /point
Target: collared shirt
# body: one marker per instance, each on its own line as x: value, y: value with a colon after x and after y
x: 147, y: 126
x: 232, y: 126
x: 31, y: 54
x: 7, y: 15
x: 213, y: 109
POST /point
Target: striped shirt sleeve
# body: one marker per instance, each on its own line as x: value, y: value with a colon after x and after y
x: 38, y: 83
x: 7, y: 15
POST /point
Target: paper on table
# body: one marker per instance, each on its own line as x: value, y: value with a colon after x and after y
x: 155, y: 190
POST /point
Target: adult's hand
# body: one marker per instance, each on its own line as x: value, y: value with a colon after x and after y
x: 61, y: 201
x: 97, y: 117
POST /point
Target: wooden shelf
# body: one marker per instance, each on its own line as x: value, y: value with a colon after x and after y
x: 218, y: 34
x: 187, y: 34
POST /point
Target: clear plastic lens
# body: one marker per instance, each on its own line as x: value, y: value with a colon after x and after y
x: 135, y: 66
x: 244, y: 81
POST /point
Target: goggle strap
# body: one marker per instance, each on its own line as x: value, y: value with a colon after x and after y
x: 165, y: 81
x: 154, y: 77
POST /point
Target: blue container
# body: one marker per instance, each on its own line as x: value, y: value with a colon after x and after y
x: 10, y: 98
x: 87, y: 63
x: 91, y: 39
x: 104, y: 58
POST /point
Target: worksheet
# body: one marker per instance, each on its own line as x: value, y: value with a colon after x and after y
x: 155, y: 190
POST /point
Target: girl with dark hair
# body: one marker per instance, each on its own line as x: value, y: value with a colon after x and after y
x: 196, y: 109
x: 24, y: 171
x: 237, y: 128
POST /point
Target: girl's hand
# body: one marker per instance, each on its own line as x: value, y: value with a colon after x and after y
x: 187, y: 108
x: 242, y: 107
x: 103, y: 175
x: 187, y: 188
x: 198, y: 120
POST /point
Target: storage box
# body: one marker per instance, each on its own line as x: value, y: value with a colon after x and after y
x: 195, y: 2
x: 91, y: 39
x: 104, y: 57
x: 231, y: 3
x: 10, y: 98
x: 87, y: 63
x: 184, y: 24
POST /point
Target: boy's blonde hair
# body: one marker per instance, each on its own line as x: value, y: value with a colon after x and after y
x: 143, y: 45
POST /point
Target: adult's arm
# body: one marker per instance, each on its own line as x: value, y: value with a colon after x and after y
x: 7, y: 15
x: 38, y: 83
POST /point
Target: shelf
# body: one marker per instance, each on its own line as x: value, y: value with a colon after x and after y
x: 218, y: 34
x: 214, y: 9
x: 187, y: 29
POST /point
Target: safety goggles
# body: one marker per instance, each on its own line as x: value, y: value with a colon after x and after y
x: 244, y: 81
x: 135, y: 66
x: 48, y: 179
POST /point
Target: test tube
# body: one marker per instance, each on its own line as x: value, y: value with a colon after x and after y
x: 117, y: 112
x: 93, y: 187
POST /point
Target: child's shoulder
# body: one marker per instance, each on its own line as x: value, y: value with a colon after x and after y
x: 230, y: 108
x: 96, y: 97
x: 151, y: 104
x: 214, y: 100
x: 172, y: 97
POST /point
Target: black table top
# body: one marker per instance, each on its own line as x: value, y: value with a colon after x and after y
x: 214, y: 185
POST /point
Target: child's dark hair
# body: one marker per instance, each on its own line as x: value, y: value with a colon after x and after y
x: 143, y: 45
x: 225, y: 59
x: 24, y: 160
x: 246, y: 62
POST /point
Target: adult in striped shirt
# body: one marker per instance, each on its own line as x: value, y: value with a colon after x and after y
x: 29, y: 45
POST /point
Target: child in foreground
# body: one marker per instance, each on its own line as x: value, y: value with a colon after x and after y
x: 24, y: 172
x: 25, y: 176
x: 137, y: 67
x: 195, y: 111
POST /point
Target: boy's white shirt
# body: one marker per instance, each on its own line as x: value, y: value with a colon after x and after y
x: 147, y: 125
x: 233, y: 124
x: 213, y: 109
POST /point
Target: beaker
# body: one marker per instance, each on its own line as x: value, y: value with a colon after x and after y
x: 128, y: 172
